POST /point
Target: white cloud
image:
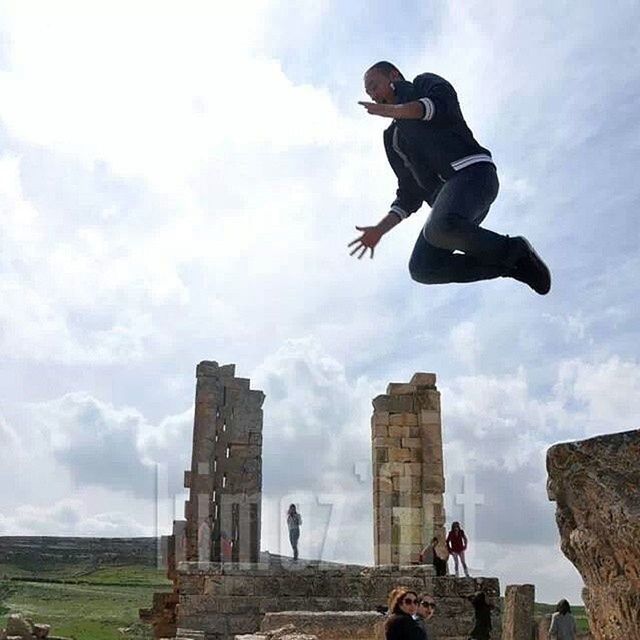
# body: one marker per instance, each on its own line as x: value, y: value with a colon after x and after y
x: 464, y: 343
x: 154, y: 96
x: 70, y: 518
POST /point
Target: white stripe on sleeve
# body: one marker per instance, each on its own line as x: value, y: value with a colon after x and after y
x: 429, y: 108
x: 399, y: 211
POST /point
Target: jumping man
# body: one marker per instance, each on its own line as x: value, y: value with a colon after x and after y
x: 437, y: 160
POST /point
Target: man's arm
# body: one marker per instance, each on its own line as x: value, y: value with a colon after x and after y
x: 433, y: 102
x: 407, y: 111
x: 371, y: 235
x: 439, y: 99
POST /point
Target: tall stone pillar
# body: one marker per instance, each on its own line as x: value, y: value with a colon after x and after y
x: 518, y: 612
x: 225, y: 480
x: 408, y: 478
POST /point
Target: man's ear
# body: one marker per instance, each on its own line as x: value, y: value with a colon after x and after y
x: 394, y: 75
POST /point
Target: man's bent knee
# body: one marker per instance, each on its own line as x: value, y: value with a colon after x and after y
x: 444, y: 233
x: 422, y: 274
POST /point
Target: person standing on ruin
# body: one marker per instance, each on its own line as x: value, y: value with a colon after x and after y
x: 482, y: 616
x: 457, y: 545
x: 563, y: 624
x: 435, y: 555
x: 294, y: 521
x: 437, y: 160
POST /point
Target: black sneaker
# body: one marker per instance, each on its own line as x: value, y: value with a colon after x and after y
x: 529, y: 267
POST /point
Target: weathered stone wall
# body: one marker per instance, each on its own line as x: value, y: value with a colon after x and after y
x: 517, y: 617
x: 224, y: 600
x: 408, y: 477
x: 329, y: 625
x: 596, y: 486
x: 225, y: 484
x: 225, y: 480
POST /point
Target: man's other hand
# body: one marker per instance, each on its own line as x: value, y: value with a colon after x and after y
x: 368, y: 240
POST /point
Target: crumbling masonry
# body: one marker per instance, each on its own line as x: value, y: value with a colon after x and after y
x: 225, y: 481
x: 408, y: 477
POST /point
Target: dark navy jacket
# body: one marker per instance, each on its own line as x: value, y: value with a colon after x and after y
x: 425, y: 153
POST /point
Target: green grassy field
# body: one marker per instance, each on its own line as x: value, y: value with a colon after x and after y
x: 88, y: 605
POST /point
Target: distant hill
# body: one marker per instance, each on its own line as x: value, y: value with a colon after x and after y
x: 44, y: 553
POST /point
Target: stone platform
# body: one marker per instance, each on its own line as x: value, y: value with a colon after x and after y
x: 228, y: 599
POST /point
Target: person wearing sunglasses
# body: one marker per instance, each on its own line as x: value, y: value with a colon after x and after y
x: 425, y: 610
x: 401, y: 625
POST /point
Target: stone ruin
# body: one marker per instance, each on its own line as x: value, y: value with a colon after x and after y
x: 408, y: 475
x: 595, y: 484
x: 223, y: 585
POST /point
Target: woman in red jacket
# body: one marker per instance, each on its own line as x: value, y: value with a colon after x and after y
x: 457, y: 545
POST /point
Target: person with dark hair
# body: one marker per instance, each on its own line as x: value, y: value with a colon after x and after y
x: 401, y: 625
x: 456, y: 545
x: 437, y: 160
x: 482, y: 611
x: 426, y: 610
x: 294, y: 520
x: 435, y: 555
x: 563, y: 624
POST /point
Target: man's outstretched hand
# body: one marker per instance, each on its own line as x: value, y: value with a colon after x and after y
x: 368, y: 240
x: 376, y: 109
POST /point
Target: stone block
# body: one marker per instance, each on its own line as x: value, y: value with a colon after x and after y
x: 209, y: 623
x: 381, y: 403
x: 244, y: 623
x: 18, y: 625
x: 429, y: 416
x: 380, y: 431
x: 413, y: 469
x: 407, y: 516
x: 423, y: 379
x: 400, y: 389
x: 400, y: 404
x: 396, y: 431
x: 390, y: 469
x: 400, y: 455
x: 380, y: 418
x: 409, y: 419
x: 381, y: 455
x: 412, y: 443
x: 333, y: 625
x: 380, y: 441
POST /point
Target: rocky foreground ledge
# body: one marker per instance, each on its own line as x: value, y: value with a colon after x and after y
x: 21, y: 628
x: 595, y: 484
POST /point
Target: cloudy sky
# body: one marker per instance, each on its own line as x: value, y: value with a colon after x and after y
x: 179, y: 183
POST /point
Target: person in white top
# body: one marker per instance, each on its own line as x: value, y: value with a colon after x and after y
x: 563, y: 624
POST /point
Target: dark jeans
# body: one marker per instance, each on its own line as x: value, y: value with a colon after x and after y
x: 440, y: 566
x: 294, y: 536
x: 454, y: 224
